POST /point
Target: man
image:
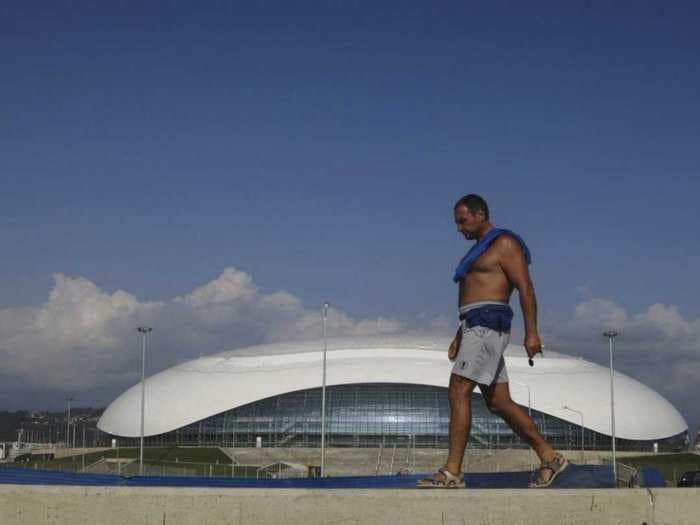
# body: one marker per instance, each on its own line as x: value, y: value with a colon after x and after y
x: 487, y: 275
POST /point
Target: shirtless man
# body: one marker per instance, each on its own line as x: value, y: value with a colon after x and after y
x: 498, y: 265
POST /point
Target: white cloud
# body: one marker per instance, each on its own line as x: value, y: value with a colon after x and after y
x: 443, y: 323
x: 83, y: 337
x: 232, y: 286
x: 658, y: 346
x: 79, y: 314
x: 599, y: 312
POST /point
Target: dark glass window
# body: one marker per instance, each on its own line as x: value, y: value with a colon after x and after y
x: 370, y: 414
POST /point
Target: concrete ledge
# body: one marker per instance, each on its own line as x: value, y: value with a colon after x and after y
x: 65, y: 505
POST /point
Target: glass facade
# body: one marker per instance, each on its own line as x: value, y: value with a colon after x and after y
x: 367, y: 415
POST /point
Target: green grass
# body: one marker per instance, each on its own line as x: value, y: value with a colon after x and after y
x: 671, y: 466
x: 663, y: 459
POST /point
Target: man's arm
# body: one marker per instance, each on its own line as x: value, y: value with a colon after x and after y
x: 453, y: 350
x: 514, y: 266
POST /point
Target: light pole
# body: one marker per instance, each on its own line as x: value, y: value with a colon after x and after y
x: 611, y: 334
x: 323, y: 393
x: 583, y: 452
x: 143, y: 330
x: 68, y: 400
x: 83, y: 469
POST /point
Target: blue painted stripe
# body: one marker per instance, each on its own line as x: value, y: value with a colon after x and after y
x: 577, y: 476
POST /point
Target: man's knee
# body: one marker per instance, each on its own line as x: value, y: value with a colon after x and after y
x: 460, y: 388
x: 499, y: 405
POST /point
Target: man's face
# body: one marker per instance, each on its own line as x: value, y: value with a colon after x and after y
x: 468, y: 223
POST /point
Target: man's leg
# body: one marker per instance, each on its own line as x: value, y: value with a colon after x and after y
x: 460, y: 396
x: 497, y: 397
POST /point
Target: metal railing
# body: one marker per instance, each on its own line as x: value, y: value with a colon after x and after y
x: 627, y: 475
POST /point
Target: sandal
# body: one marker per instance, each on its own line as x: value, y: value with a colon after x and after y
x: 442, y: 479
x: 557, y: 465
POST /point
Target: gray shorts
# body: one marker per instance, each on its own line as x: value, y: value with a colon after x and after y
x: 480, y: 356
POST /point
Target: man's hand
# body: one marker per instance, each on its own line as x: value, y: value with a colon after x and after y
x: 532, y: 344
x: 454, y: 345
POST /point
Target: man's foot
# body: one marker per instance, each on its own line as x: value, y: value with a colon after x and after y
x: 442, y: 479
x: 548, y: 472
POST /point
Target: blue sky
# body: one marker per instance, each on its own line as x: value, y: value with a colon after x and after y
x: 319, y: 149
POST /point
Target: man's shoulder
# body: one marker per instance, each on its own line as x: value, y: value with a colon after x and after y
x: 508, y: 246
x: 506, y: 241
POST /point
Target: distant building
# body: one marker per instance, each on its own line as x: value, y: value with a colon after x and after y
x: 382, y: 390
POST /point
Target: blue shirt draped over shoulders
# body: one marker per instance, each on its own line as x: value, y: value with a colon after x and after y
x: 480, y: 247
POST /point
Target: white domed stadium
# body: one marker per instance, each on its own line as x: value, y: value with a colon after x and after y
x: 382, y: 390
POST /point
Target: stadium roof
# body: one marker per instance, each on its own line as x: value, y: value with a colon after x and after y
x: 207, y: 386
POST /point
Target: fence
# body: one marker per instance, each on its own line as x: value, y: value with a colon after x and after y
x: 192, y: 469
x: 130, y: 467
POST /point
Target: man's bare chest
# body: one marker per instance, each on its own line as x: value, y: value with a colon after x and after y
x: 488, y: 263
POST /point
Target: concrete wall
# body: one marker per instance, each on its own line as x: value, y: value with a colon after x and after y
x: 36, y: 505
x: 67, y: 452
